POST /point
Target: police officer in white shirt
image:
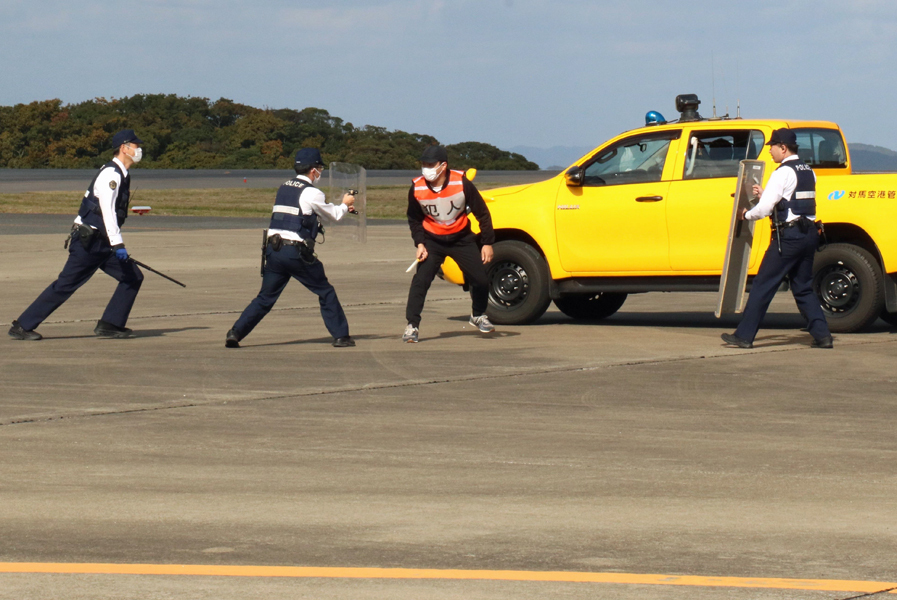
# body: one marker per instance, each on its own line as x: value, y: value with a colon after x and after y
x: 96, y: 243
x: 290, y: 251
x: 789, y: 199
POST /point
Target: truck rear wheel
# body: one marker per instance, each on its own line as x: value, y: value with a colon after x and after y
x: 847, y: 280
x: 518, y: 284
x: 591, y: 307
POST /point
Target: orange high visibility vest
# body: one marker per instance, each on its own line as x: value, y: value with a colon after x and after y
x: 445, y: 211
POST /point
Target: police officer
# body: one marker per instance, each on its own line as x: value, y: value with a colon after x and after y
x: 437, y: 215
x: 290, y: 251
x: 96, y: 243
x: 790, y: 201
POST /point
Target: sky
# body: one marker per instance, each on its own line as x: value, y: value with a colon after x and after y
x: 505, y: 72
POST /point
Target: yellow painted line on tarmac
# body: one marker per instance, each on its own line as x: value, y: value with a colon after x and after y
x: 824, y: 585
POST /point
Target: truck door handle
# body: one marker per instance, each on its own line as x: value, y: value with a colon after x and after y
x: 649, y: 199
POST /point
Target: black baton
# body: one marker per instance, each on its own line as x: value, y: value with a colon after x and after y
x: 152, y: 270
x: 264, y: 249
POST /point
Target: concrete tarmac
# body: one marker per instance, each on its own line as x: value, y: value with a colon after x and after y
x: 637, y: 445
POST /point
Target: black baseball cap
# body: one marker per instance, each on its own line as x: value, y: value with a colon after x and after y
x: 782, y: 136
x: 434, y: 154
x: 125, y: 136
x: 309, y: 157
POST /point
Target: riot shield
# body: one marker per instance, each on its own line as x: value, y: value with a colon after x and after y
x: 348, y: 178
x: 733, y: 281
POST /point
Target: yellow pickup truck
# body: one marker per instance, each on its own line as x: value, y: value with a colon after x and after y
x: 649, y: 211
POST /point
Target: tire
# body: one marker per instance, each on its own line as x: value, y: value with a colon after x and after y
x: 591, y: 307
x: 518, y: 284
x: 847, y: 280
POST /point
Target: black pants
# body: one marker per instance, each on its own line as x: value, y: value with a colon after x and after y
x: 796, y: 261
x: 279, y: 268
x: 466, y: 253
x: 80, y: 266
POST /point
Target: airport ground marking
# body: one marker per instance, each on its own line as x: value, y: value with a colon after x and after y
x: 824, y: 585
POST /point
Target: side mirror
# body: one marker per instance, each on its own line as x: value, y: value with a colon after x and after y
x: 574, y: 176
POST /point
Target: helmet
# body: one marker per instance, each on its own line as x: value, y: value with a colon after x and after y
x: 654, y: 118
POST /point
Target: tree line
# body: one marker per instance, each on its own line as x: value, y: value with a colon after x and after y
x: 198, y: 133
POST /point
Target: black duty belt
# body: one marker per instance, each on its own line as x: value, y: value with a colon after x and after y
x: 286, y: 242
x: 794, y: 223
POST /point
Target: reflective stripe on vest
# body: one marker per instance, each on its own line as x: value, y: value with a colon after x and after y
x: 445, y: 211
x: 803, y: 201
x: 287, y: 214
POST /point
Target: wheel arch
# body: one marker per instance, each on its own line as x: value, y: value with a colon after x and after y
x: 504, y: 235
x: 848, y: 233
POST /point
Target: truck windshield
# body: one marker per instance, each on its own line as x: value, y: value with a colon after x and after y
x: 821, y: 148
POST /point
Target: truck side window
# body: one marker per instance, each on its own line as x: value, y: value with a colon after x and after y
x: 713, y: 154
x: 637, y: 159
x: 821, y: 148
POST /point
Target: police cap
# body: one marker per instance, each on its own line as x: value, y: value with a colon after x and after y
x: 434, y: 154
x: 308, y: 158
x: 782, y: 136
x: 125, y: 136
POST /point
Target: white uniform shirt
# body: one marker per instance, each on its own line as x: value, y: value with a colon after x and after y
x: 781, y: 185
x: 312, y: 200
x: 107, y: 195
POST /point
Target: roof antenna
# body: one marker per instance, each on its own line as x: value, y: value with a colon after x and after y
x: 713, y: 82
x: 737, y: 91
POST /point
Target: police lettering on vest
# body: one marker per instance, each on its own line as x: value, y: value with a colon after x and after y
x: 287, y: 212
x: 803, y: 201
x: 90, y: 211
x: 445, y: 211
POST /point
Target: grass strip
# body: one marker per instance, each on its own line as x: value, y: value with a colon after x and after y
x: 383, y: 202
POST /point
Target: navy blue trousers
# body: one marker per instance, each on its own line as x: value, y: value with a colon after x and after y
x: 280, y: 267
x: 796, y: 261
x: 80, y: 266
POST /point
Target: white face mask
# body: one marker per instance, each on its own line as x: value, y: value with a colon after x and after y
x: 138, y: 155
x: 431, y: 174
x: 317, y: 177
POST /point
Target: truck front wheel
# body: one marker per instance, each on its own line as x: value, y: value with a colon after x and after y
x: 518, y: 284
x: 591, y: 307
x: 847, y: 280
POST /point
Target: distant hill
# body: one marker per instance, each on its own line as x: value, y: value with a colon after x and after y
x: 198, y: 133
x: 865, y: 158
x: 556, y: 157
x: 868, y: 158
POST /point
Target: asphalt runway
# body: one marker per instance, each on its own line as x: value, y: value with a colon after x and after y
x: 628, y: 459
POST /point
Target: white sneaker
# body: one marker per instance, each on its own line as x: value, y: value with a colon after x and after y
x: 482, y: 323
x: 410, y: 335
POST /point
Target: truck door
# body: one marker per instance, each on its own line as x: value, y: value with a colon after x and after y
x: 700, y: 197
x: 615, y: 221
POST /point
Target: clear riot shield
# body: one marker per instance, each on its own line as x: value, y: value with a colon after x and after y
x: 733, y: 281
x: 348, y: 178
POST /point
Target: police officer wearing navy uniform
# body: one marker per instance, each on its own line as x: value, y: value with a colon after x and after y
x: 290, y: 251
x: 438, y: 202
x: 96, y: 243
x: 789, y: 199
